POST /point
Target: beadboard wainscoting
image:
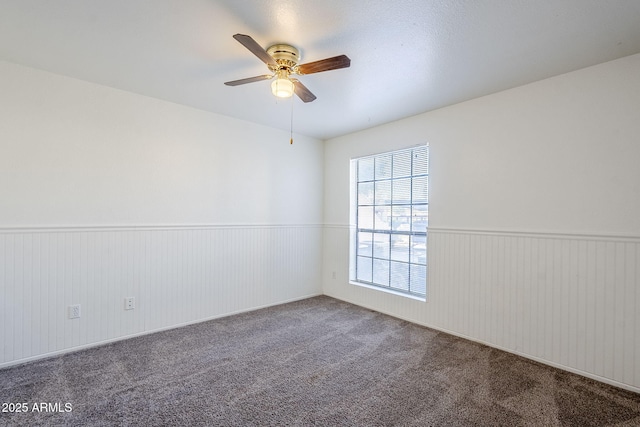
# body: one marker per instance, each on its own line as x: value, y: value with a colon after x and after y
x: 177, y: 275
x: 565, y: 300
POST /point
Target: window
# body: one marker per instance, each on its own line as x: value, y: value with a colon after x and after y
x: 390, y: 209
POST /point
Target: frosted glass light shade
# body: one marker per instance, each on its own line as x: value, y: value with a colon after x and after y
x: 282, y: 87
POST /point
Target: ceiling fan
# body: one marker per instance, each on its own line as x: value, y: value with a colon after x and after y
x: 282, y: 60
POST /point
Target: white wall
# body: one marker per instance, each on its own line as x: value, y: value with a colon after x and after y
x: 106, y: 194
x: 75, y: 153
x: 534, y: 239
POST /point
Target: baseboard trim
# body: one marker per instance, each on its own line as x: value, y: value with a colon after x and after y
x: 585, y: 374
x: 75, y: 349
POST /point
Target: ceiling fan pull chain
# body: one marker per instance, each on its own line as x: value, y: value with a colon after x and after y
x: 291, y: 124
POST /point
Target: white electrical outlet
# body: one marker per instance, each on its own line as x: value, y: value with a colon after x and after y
x: 74, y: 311
x: 129, y: 303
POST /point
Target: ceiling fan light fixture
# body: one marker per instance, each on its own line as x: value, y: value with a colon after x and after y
x: 282, y: 59
x: 282, y: 87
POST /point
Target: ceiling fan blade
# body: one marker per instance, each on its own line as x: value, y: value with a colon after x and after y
x: 248, y: 80
x: 255, y: 48
x: 302, y: 91
x: 341, y: 61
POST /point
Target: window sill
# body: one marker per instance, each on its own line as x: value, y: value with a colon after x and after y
x: 389, y: 291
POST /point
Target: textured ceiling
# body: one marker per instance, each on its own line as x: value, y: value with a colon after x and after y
x: 407, y: 57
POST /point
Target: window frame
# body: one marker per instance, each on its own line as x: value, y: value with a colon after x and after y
x: 391, y: 229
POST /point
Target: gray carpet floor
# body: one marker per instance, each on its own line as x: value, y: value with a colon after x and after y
x: 318, y: 361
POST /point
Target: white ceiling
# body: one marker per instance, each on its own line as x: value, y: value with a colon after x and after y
x: 407, y: 56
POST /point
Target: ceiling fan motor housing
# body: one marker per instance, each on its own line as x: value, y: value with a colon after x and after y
x: 285, y: 55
